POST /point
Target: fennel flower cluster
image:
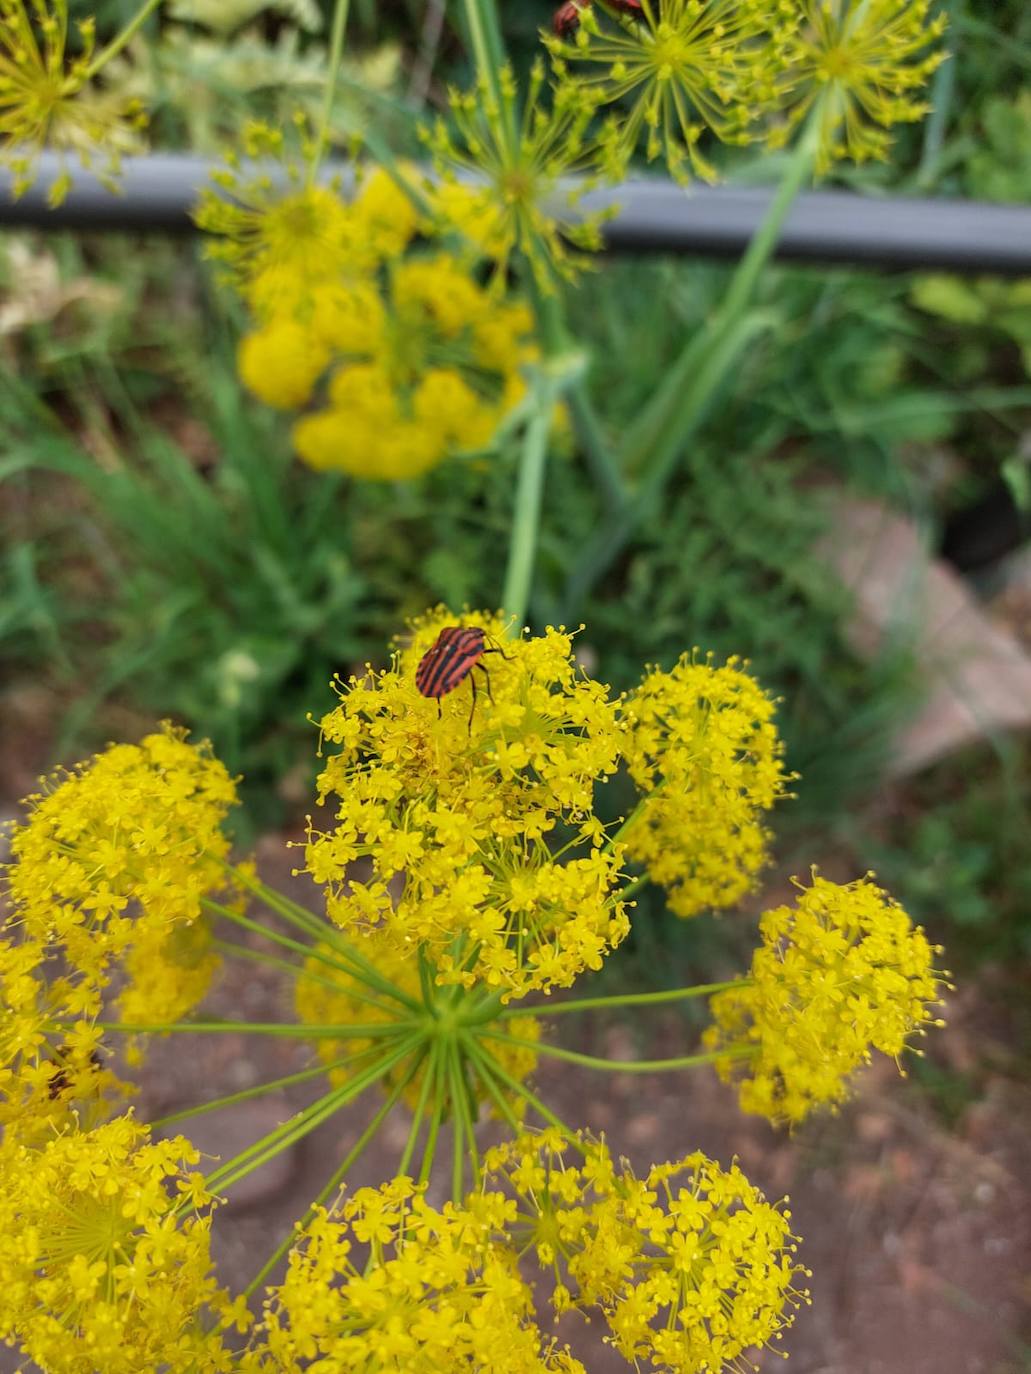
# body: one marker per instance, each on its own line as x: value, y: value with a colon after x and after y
x: 104, y: 1253
x: 441, y: 1293
x: 399, y: 354
x: 704, y: 750
x: 841, y: 972
x: 49, y: 98
x: 467, y: 864
x: 858, y: 67
x: 679, y: 69
x: 504, y: 163
x: 671, y: 72
x: 690, y: 1266
x: 452, y: 811
x: 114, y: 859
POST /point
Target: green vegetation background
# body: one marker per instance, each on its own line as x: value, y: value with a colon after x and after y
x: 163, y: 554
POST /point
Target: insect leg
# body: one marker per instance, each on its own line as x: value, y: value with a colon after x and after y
x: 472, y: 707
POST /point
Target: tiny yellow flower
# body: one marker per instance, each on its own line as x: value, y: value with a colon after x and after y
x: 841, y: 973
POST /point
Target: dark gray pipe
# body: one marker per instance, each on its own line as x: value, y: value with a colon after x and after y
x: 656, y: 216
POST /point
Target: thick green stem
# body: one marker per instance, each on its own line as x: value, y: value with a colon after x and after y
x: 121, y: 39
x: 335, y: 1179
x: 336, y: 50
x: 655, y: 443
x: 590, y: 1061
x: 515, y: 598
x: 626, y: 999
x: 488, y: 47
x: 259, y: 1091
x: 695, y: 392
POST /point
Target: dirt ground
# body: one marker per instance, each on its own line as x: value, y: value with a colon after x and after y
x: 914, y: 1204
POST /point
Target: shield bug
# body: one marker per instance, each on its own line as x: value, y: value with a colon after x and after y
x: 450, y: 659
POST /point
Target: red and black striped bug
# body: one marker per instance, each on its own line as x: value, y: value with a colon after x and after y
x: 450, y: 659
x: 566, y: 19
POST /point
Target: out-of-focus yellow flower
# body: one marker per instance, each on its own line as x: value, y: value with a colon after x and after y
x: 704, y: 752
x: 462, y: 806
x: 421, y: 361
x: 685, y: 67
x: 428, y: 369
x: 281, y: 361
x: 866, y: 62
x: 503, y: 164
x: 842, y: 972
x: 101, y: 1267
x: 47, y: 99
x: 441, y: 1293
x: 275, y: 235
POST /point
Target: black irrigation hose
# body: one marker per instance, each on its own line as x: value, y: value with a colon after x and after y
x: 656, y: 216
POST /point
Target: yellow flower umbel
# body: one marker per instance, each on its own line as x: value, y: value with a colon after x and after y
x: 684, y: 67
x: 102, y: 1264
x: 704, y: 752
x: 419, y: 361
x: 440, y: 1293
x: 864, y: 63
x: 690, y: 1265
x: 458, y: 814
x: 429, y: 364
x: 520, y: 154
x: 842, y: 972
x: 46, y: 97
x: 113, y: 860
